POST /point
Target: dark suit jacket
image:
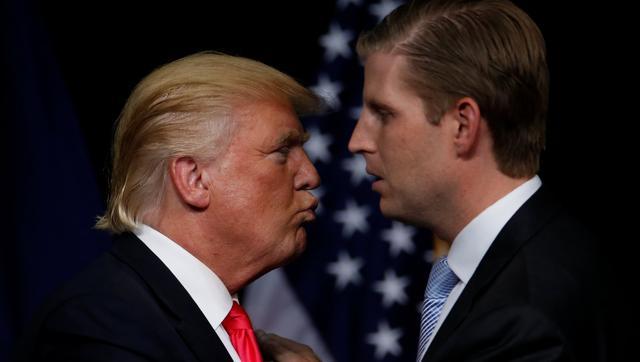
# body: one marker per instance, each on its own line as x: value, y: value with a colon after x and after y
x: 126, y: 307
x: 533, y: 297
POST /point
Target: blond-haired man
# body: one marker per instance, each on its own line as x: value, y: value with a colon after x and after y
x: 209, y: 190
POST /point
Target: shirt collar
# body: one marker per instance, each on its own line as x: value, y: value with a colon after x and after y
x: 469, y: 247
x: 202, y: 284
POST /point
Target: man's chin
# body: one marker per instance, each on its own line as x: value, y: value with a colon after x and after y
x: 391, y: 211
x: 388, y: 210
x: 295, y: 246
x: 301, y: 241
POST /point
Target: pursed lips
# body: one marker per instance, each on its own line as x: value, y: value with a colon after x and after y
x: 310, y: 210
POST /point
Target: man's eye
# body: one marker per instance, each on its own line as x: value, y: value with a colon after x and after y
x: 383, y: 115
x: 282, y: 153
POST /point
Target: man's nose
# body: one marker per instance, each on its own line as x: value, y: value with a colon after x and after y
x: 307, y: 177
x: 358, y: 141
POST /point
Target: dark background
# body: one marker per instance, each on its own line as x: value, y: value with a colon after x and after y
x: 104, y: 48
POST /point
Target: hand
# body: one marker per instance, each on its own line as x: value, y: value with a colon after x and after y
x: 281, y: 349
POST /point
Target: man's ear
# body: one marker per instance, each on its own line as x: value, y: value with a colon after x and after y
x: 468, y: 120
x: 191, y: 181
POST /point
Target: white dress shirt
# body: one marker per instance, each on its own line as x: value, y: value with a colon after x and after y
x: 202, y: 284
x: 470, y: 245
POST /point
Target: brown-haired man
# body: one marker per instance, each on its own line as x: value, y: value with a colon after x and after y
x: 452, y: 127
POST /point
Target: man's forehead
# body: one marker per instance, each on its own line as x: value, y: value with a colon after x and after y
x: 269, y: 123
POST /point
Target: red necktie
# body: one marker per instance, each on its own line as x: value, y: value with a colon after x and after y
x: 238, y: 326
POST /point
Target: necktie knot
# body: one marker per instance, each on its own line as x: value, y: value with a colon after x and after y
x: 236, y: 319
x: 441, y: 280
x: 238, y: 326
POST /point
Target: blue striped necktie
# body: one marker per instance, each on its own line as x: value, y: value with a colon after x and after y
x: 441, y: 280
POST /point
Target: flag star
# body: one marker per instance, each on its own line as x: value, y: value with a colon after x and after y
x: 318, y: 193
x: 353, y: 218
x: 318, y: 146
x: 385, y: 341
x: 357, y: 166
x: 383, y: 8
x: 328, y: 90
x: 400, y: 238
x: 392, y: 288
x: 342, y: 4
x: 336, y: 43
x: 346, y: 270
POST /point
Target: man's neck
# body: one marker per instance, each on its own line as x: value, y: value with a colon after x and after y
x: 475, y: 197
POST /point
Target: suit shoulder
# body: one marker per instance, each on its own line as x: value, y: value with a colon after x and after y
x: 564, y: 244
x: 105, y: 307
x: 564, y: 274
x: 106, y: 276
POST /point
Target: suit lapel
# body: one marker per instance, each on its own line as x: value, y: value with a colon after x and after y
x: 522, y: 226
x: 191, y: 324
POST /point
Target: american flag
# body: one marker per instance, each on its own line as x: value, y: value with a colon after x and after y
x: 354, y: 294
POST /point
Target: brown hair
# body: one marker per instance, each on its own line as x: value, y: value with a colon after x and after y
x: 183, y: 109
x: 489, y: 50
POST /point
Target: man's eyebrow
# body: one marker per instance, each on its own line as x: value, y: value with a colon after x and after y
x: 378, y: 106
x: 293, y: 137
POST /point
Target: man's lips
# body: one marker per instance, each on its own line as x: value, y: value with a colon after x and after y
x: 376, y: 178
x: 309, y: 210
x: 375, y: 185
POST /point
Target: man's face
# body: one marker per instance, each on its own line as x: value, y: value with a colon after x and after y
x: 406, y: 153
x: 260, y: 185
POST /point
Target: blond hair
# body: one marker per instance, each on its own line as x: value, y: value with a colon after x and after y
x: 184, y: 109
x: 488, y: 50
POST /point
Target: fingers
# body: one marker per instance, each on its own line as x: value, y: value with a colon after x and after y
x: 284, y: 350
